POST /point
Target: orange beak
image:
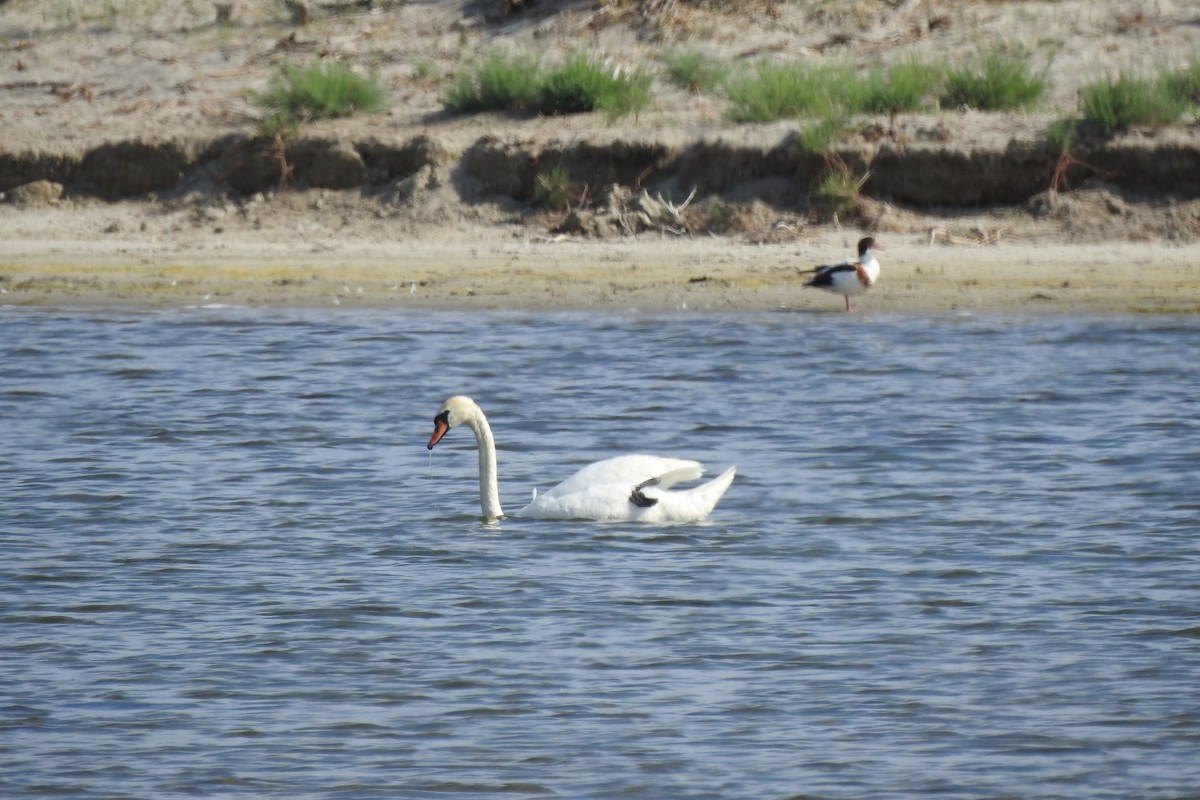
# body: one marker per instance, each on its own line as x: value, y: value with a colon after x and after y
x: 439, y: 430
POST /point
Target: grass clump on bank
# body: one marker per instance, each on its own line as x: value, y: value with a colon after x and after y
x: 1184, y: 84
x: 1117, y: 104
x: 556, y: 190
x: 999, y: 81
x: 498, y: 83
x: 839, y: 191
x: 319, y: 91
x: 693, y: 71
x: 582, y: 83
x: 770, y: 91
x: 585, y: 83
x: 905, y: 87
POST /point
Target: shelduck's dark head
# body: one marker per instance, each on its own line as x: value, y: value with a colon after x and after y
x: 867, y: 243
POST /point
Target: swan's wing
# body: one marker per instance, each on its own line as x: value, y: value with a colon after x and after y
x: 672, y: 477
x: 631, y: 488
x: 627, y: 471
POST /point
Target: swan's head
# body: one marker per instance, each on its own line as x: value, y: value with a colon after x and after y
x: 451, y: 414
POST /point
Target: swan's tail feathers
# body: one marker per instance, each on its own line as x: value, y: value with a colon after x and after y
x: 707, y: 495
x: 722, y: 481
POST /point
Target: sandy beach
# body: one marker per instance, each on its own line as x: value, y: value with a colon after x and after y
x: 497, y: 271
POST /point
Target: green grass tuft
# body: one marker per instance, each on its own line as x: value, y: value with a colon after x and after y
x: 904, y: 87
x: 770, y: 91
x: 554, y: 188
x: 1116, y: 104
x: 582, y: 83
x: 1062, y: 134
x: 1000, y: 81
x: 821, y: 136
x: 585, y: 83
x: 692, y: 70
x: 320, y: 90
x: 840, y: 190
x: 1183, y: 85
x: 498, y: 83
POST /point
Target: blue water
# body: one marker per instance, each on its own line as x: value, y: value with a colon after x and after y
x: 961, y: 558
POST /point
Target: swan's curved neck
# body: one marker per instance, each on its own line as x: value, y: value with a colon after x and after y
x: 489, y: 488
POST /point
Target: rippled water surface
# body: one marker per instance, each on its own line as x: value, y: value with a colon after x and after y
x: 961, y: 557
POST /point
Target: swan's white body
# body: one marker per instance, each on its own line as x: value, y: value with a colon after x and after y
x: 625, y: 488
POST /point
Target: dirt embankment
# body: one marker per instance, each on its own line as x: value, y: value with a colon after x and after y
x: 905, y: 166
x: 151, y: 101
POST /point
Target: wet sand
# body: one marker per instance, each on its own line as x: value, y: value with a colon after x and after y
x: 493, y: 269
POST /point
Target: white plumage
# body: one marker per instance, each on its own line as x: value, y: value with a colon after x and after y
x: 624, y: 488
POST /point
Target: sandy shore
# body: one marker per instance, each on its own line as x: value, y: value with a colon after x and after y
x: 496, y: 269
x: 168, y: 71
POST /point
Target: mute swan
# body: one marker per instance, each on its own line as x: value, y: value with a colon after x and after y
x: 633, y: 487
x: 849, y: 277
